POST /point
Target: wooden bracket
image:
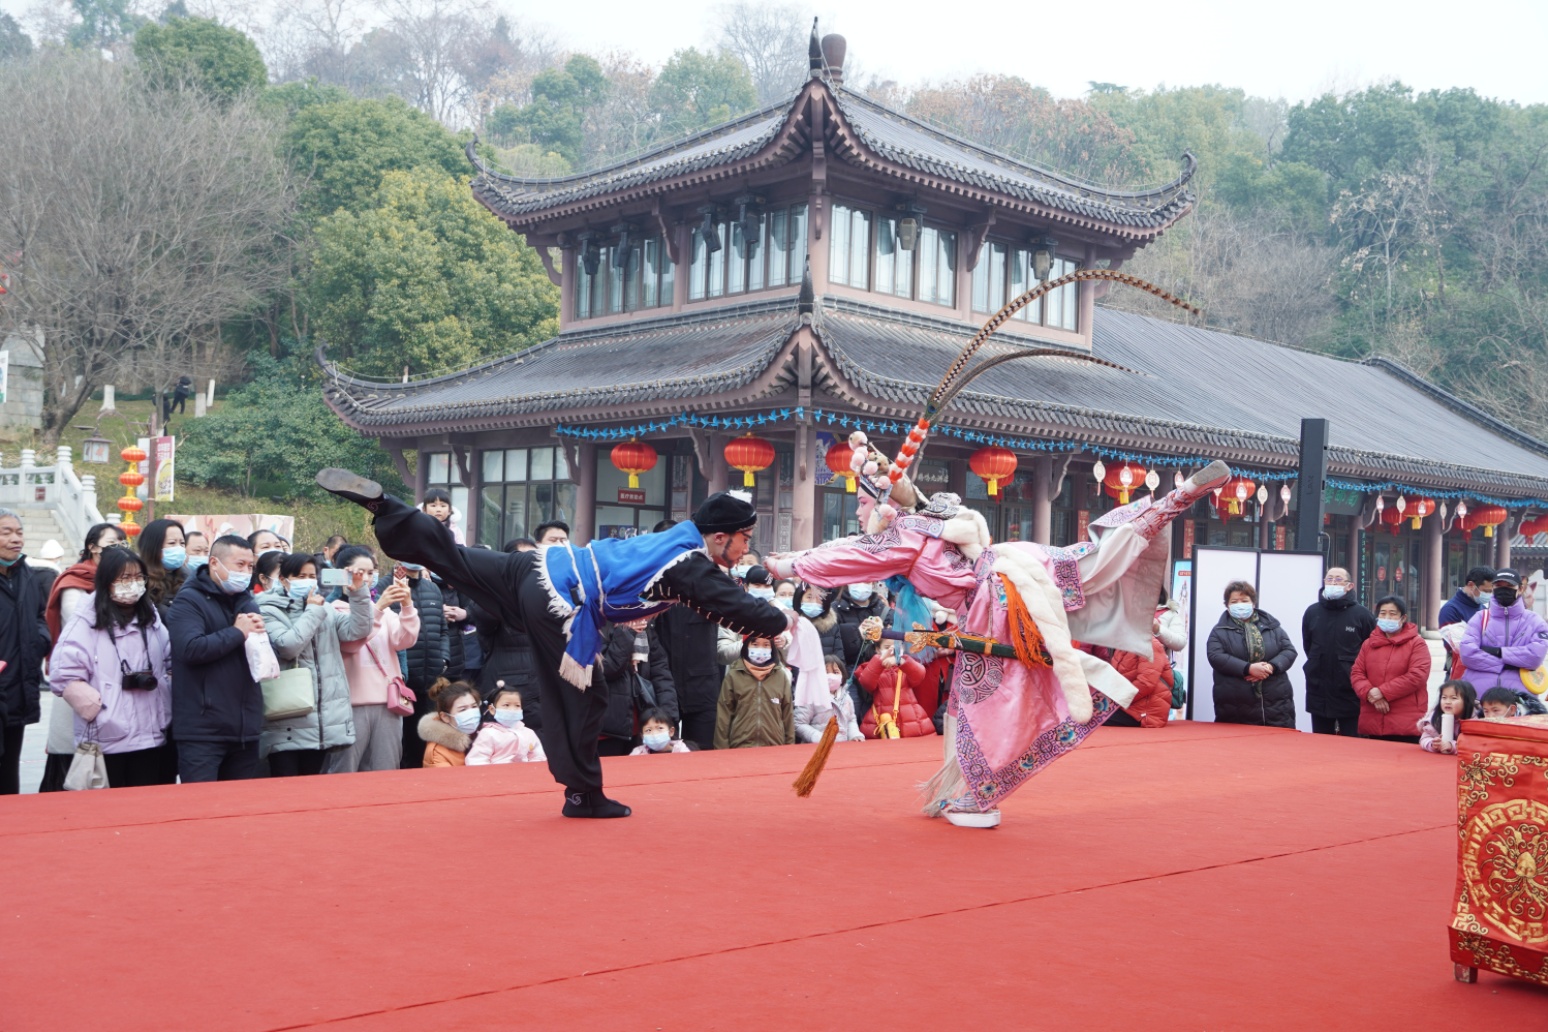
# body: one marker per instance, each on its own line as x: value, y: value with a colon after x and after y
x: 667, y: 231
x: 546, y: 255
x: 978, y: 234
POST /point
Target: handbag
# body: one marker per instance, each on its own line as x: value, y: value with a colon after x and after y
x: 88, y: 769
x: 1179, y: 688
x: 400, y: 697
x: 292, y: 694
x: 645, y: 692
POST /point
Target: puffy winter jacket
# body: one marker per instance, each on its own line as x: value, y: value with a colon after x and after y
x: 882, y: 683
x: 688, y: 640
x: 1399, y: 666
x: 1152, y: 680
x: 753, y: 712
x: 828, y: 631
x: 24, y: 641
x: 214, y: 696
x: 456, y: 653
x: 617, y: 672
x: 129, y: 720
x: 1519, y: 634
x: 426, y: 658
x: 1270, y: 702
x: 445, y: 744
x: 1332, y: 633
x: 851, y: 615
x: 507, y: 657
x: 310, y: 637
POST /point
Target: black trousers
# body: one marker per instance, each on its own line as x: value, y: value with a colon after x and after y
x: 1348, y: 727
x: 10, y: 759
x: 156, y: 766
x: 293, y: 763
x: 507, y: 584
x: 215, y: 761
x: 699, y: 728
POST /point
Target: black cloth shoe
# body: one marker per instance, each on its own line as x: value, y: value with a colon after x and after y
x: 592, y: 804
x: 352, y: 487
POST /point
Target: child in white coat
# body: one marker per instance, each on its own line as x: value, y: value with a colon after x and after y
x: 504, y: 738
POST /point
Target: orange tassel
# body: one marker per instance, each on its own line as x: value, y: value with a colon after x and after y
x: 1025, y: 638
x: 813, y: 769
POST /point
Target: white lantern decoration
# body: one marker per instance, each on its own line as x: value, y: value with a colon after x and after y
x: 1152, y: 480
x: 1284, y: 494
x: 1098, y: 471
x: 1262, y: 495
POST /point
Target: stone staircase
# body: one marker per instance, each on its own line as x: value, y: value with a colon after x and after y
x: 40, y: 525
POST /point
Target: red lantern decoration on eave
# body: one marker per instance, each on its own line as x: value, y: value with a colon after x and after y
x: 633, y: 457
x: 1122, y: 481
x: 1465, y: 523
x: 1418, y: 510
x: 839, y: 456
x: 1392, y: 518
x: 1233, y: 496
x: 1488, y: 517
x: 750, y: 454
x: 994, y: 464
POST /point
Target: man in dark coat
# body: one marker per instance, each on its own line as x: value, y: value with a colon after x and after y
x: 1332, y: 631
x: 689, y: 641
x: 853, y: 606
x: 562, y: 596
x: 1470, y: 597
x: 24, y: 642
x: 620, y: 673
x: 217, y: 707
x: 508, y: 660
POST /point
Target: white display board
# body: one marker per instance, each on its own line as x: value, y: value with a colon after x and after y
x: 1287, y: 582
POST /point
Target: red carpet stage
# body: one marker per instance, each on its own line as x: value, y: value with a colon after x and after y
x: 1197, y: 877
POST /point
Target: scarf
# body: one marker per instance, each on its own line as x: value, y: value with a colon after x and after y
x: 605, y: 582
x: 82, y: 577
x: 1254, y: 635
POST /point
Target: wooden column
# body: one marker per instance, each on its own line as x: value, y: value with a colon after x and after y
x: 803, y: 516
x: 1502, y: 536
x: 585, y: 526
x: 1048, y: 472
x: 1431, y: 583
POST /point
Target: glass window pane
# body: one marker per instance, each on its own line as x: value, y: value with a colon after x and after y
x: 717, y: 263
x: 515, y: 464
x: 440, y: 468
x: 981, y: 281
x: 946, y: 269
x: 668, y: 273
x: 542, y: 467
x: 1020, y: 276
x: 797, y: 263
x: 582, y: 291
x: 517, y: 512
x: 737, y: 270
x: 631, y: 298
x: 491, y: 517
x: 651, y: 275
x: 494, y: 467
x: 698, y: 269
x: 997, y: 261
x: 561, y: 465
x: 838, y: 245
x: 927, y: 265
x: 542, y: 507
x: 779, y: 249
x: 564, y: 503
x: 886, y: 254
x: 615, y: 282
x: 763, y: 253
x: 860, y: 250
x: 459, y: 497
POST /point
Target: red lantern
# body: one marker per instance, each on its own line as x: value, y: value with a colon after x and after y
x: 1488, y: 517
x: 749, y: 454
x: 994, y: 464
x: 1392, y: 518
x: 634, y: 457
x: 131, y: 478
x: 1233, y: 495
x: 1465, y: 523
x: 1419, y: 510
x: 839, y: 456
x: 1120, y: 482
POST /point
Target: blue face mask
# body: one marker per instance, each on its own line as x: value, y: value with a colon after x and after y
x: 236, y: 583
x: 467, y: 720
x: 812, y: 609
x: 6, y: 564
x: 508, y: 717
x: 767, y: 594
x: 196, y: 561
x: 1240, y: 610
x: 860, y: 593
x: 1389, y: 626
x: 656, y: 741
x: 173, y: 558
x: 300, y: 590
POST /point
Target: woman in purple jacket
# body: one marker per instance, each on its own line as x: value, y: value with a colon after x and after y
x: 112, y: 664
x: 1503, y: 641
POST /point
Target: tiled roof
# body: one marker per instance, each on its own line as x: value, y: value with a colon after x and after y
x: 1200, y: 389
x: 881, y: 134
x: 647, y: 360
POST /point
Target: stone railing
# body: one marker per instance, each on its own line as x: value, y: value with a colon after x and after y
x: 71, y: 498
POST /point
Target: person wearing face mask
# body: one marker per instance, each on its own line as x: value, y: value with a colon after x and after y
x: 1459, y: 609
x: 262, y: 542
x: 1250, y: 654
x: 1332, y: 631
x: 1391, y: 676
x: 817, y: 700
x: 756, y: 708
x: 853, y: 606
x: 1506, y: 643
x: 427, y: 660
x: 24, y: 641
x: 112, y: 665
x: 217, y: 707
x: 816, y: 604
x: 198, y: 550
x: 306, y: 633
x: 505, y: 738
x: 448, y: 731
x: 658, y: 735
x: 162, y: 545
x: 759, y: 584
x: 631, y: 654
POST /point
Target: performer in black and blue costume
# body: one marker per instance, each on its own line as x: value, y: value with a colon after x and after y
x: 561, y: 595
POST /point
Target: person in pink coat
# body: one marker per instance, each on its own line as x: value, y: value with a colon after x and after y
x: 505, y: 739
x: 1391, y: 675
x: 371, y: 664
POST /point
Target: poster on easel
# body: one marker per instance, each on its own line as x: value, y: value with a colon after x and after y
x: 164, y: 451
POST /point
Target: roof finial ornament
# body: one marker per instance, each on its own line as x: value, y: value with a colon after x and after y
x: 814, y: 52
x: 806, y: 300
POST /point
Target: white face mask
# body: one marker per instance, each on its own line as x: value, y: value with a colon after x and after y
x: 860, y: 592
x: 508, y: 717
x: 467, y: 720
x: 1242, y: 610
x: 127, y: 593
x: 767, y: 594
x: 1334, y: 592
x: 760, y: 657
x: 656, y: 741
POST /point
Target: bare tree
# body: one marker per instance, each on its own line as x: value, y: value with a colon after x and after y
x: 435, y: 37
x: 771, y: 41
x: 143, y: 219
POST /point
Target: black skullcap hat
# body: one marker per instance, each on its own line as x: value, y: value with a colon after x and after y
x: 726, y: 513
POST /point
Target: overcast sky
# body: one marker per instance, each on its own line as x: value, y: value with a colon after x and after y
x: 1294, y: 50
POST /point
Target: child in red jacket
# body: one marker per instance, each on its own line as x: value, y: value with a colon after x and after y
x: 1152, y: 680
x: 893, y: 680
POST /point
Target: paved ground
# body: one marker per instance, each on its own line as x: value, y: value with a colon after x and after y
x: 32, y: 747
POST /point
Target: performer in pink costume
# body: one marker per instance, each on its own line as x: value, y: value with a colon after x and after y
x: 1007, y: 719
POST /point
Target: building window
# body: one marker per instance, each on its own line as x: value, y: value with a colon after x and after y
x: 521, y: 488
x: 737, y: 266
x: 865, y: 252
x: 1004, y: 273
x: 644, y: 280
x: 439, y: 472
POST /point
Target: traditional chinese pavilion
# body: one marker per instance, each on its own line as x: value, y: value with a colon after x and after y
x: 735, y: 303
